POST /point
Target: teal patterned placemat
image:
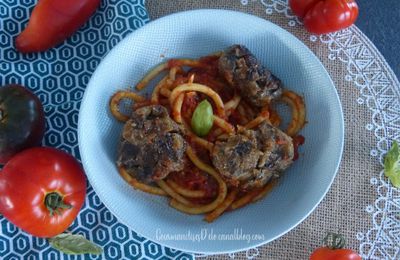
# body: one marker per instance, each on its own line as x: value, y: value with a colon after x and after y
x: 59, y: 77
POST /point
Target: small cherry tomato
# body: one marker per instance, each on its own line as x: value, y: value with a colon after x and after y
x: 52, y: 22
x: 42, y: 189
x: 333, y: 249
x: 22, y: 123
x: 325, y: 253
x: 325, y: 16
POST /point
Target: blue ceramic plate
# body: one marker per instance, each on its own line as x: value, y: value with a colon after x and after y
x: 193, y: 34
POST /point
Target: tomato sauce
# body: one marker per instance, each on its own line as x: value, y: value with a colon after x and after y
x: 174, y: 63
x: 193, y: 178
x: 189, y: 104
x: 211, y: 61
x: 297, y: 141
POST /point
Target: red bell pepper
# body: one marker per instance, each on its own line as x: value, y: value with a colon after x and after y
x: 53, y: 21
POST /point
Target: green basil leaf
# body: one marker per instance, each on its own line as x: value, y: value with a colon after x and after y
x: 392, y: 165
x: 202, y: 118
x: 74, y: 244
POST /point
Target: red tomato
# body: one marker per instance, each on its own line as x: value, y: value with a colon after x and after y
x: 42, y: 190
x: 301, y: 7
x: 325, y: 253
x: 52, y: 22
x: 334, y: 249
x: 324, y: 16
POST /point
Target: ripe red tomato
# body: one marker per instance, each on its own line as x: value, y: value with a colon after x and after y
x: 334, y: 249
x: 42, y: 190
x: 325, y: 253
x: 324, y: 16
x: 22, y: 123
x: 300, y: 7
x: 52, y: 22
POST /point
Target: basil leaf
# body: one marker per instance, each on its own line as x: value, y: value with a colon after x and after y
x: 392, y: 165
x: 74, y: 244
x: 202, y: 118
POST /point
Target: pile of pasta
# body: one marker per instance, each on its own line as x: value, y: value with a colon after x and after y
x: 187, y: 78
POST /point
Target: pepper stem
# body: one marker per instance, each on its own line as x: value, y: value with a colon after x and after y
x: 334, y: 241
x: 55, y: 203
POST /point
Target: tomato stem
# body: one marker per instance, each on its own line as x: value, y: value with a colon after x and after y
x: 334, y: 241
x: 55, y: 203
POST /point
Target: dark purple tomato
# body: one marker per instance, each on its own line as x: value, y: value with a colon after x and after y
x: 22, y: 122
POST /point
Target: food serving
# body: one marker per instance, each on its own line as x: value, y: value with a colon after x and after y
x: 209, y: 136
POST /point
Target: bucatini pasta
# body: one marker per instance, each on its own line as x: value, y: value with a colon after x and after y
x: 203, y: 187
